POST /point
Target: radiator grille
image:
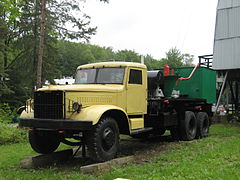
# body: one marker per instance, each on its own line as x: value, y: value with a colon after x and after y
x: 49, y: 105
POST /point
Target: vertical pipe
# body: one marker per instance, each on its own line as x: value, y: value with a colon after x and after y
x: 142, y: 59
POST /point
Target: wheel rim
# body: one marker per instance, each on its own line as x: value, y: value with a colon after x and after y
x: 108, y: 139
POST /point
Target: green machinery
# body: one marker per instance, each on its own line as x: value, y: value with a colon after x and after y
x: 201, y: 85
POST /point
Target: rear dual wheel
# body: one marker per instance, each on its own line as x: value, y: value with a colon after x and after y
x: 191, y: 127
x: 203, y: 125
x: 187, y: 128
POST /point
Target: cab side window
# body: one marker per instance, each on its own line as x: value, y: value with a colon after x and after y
x: 135, y: 76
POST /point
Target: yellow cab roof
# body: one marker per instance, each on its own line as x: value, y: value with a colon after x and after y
x: 112, y: 64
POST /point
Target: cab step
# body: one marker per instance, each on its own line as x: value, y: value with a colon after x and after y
x: 139, y: 131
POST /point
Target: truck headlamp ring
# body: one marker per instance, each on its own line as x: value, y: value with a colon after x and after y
x: 77, y: 106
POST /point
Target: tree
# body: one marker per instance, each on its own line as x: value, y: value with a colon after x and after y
x: 41, y: 43
x: 127, y: 55
x: 188, y: 60
x: 152, y: 63
x: 71, y: 55
x: 22, y: 40
x: 4, y: 30
x: 174, y: 58
x: 101, y: 53
x: 3, y: 87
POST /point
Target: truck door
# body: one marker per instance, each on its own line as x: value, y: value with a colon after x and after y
x: 136, y: 92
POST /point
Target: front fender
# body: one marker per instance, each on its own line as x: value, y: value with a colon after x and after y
x: 94, y: 113
x: 27, y: 114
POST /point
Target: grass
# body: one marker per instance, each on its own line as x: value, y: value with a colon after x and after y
x: 215, y: 157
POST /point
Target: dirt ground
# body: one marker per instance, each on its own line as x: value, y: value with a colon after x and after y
x: 143, y: 151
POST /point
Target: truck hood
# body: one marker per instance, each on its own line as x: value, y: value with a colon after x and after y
x: 84, y: 88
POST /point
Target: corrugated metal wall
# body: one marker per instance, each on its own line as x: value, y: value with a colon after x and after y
x: 226, y: 52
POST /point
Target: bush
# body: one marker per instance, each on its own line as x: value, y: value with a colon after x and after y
x: 9, y: 134
x: 6, y: 114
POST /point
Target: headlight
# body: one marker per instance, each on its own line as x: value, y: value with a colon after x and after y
x: 77, y: 106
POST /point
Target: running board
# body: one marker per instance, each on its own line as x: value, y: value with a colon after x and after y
x: 139, y: 131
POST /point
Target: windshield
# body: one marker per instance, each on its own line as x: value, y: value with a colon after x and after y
x: 100, y: 76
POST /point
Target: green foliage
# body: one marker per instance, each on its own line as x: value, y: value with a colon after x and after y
x: 19, y: 41
x: 4, y: 89
x: 10, y: 9
x: 72, y: 54
x: 127, y: 55
x: 152, y: 63
x: 188, y: 60
x: 6, y: 113
x: 174, y: 58
x: 10, y: 134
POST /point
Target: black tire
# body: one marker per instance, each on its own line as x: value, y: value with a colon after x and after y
x: 203, y: 124
x: 103, y: 141
x: 44, y: 142
x: 188, y: 126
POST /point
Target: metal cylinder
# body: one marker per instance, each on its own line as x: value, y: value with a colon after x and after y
x: 155, y: 79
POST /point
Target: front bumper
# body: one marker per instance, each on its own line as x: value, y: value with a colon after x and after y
x: 58, y: 124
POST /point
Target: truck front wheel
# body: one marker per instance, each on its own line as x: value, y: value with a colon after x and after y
x: 189, y: 126
x: 44, y: 142
x: 103, y: 141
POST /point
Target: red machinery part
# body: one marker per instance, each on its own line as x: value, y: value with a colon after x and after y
x: 166, y: 70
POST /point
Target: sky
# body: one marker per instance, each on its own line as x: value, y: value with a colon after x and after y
x: 154, y: 26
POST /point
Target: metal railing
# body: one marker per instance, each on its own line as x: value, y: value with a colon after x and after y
x: 206, y: 61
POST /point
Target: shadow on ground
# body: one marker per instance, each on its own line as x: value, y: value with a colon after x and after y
x: 143, y: 151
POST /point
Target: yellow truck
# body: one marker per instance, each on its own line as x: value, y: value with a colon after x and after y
x: 106, y: 100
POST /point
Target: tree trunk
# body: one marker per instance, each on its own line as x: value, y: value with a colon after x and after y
x: 41, y: 44
x: 35, y: 48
